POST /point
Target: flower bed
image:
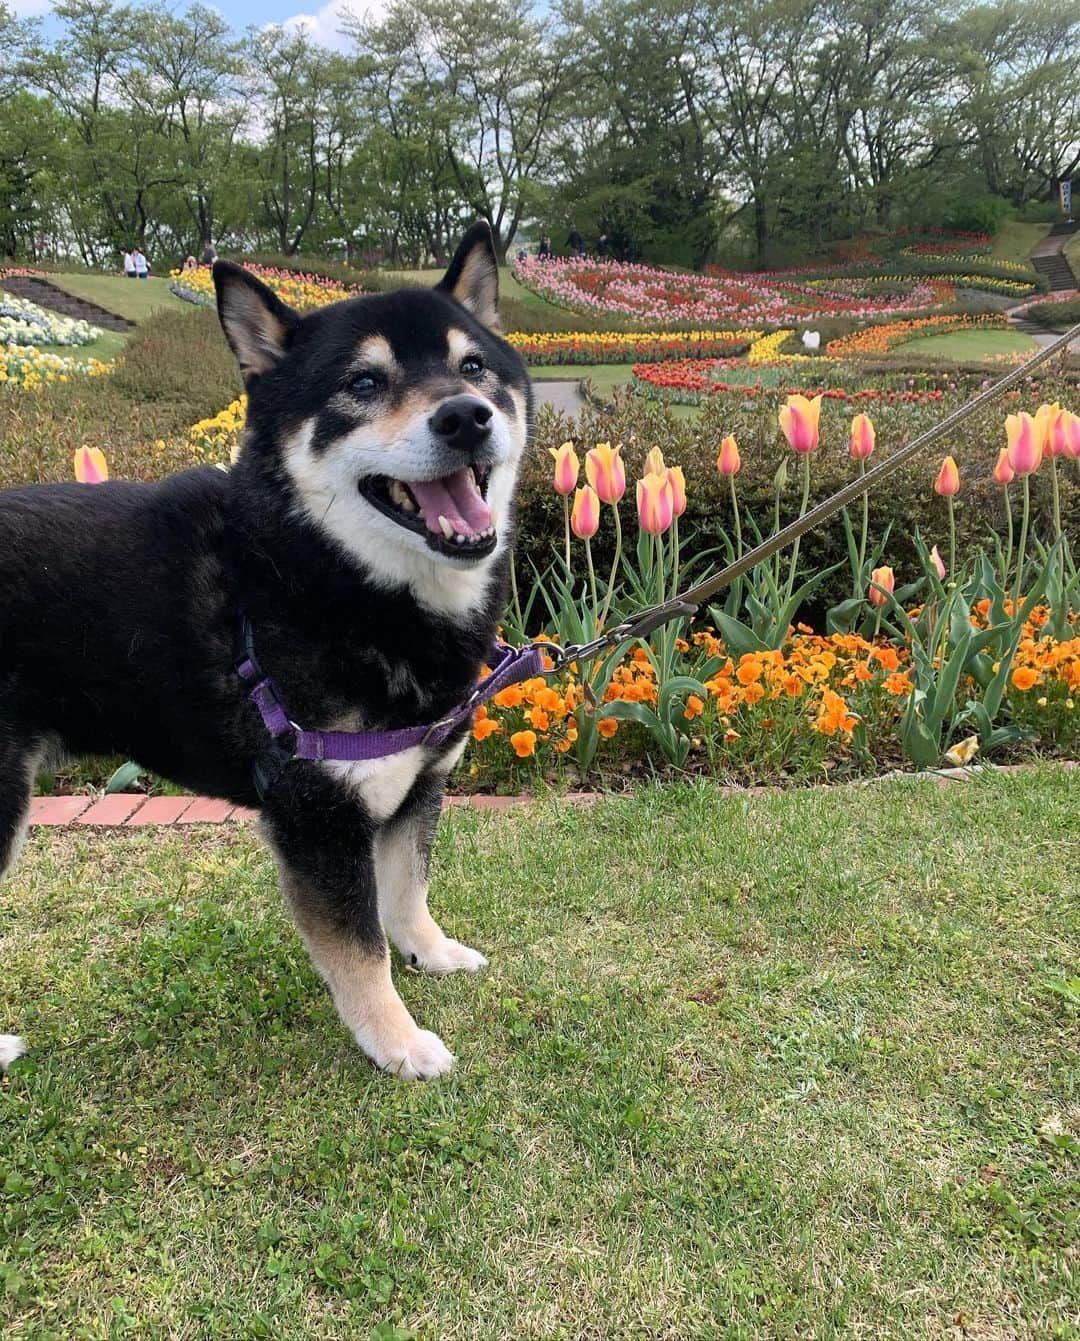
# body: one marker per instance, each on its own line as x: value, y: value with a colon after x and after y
x: 667, y: 297
x: 582, y: 347
x: 28, y: 368
x: 301, y: 291
x: 219, y: 436
x: 691, y: 381
x: 882, y: 339
x: 791, y: 711
x: 25, y: 323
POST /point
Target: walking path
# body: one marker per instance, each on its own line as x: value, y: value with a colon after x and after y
x: 1048, y: 259
x: 46, y: 294
x: 562, y: 396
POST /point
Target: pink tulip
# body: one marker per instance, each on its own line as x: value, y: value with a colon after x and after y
x: 1003, y: 472
x: 799, y: 422
x: 585, y: 518
x: 1072, y: 436
x: 729, y: 462
x: 91, y: 466
x: 861, y: 444
x: 656, y: 504
x: 1057, y: 432
x: 566, y: 469
x: 604, y: 471
x: 881, y: 577
x: 677, y: 481
x: 1025, y: 443
x: 947, y: 483
x: 939, y: 563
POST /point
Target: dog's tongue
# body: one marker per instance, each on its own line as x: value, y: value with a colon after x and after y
x: 454, y: 497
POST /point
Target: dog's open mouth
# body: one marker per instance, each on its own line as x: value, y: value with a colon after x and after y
x: 450, y: 513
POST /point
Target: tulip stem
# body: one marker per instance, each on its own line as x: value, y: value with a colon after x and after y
x: 592, y: 580
x: 566, y: 528
x: 738, y: 519
x: 514, y: 596
x: 1057, y: 497
x: 860, y: 581
x: 1023, y: 546
x: 1009, y: 533
x: 952, y: 538
x: 614, y: 568
x: 674, y: 557
x: 802, y: 513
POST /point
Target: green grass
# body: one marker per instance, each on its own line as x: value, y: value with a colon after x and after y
x: 605, y: 377
x: 767, y: 1066
x: 969, y: 346
x: 106, y: 348
x: 131, y: 298
x: 1072, y: 254
x: 1015, y: 240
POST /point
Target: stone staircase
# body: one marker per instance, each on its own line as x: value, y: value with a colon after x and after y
x: 1056, y: 269
x: 46, y: 294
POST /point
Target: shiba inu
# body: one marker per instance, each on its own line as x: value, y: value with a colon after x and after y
x: 358, y: 548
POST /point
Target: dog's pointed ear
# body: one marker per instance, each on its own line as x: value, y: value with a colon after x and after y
x: 473, y: 276
x: 255, y: 320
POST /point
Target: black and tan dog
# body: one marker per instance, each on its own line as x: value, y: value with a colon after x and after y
x: 365, y: 533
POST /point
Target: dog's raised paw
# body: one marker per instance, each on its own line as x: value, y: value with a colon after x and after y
x: 448, y: 956
x: 423, y: 1057
x: 11, y: 1046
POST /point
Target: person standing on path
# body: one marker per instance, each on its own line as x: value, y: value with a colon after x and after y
x: 129, y: 265
x: 142, y: 265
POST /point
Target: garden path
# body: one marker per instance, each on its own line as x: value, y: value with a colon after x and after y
x: 562, y: 396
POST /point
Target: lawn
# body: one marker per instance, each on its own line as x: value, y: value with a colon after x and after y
x: 106, y: 347
x: 605, y: 377
x: 1015, y: 240
x: 969, y: 346
x: 131, y: 298
x: 765, y: 1066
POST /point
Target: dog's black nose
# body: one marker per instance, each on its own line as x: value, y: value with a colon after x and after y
x: 463, y: 422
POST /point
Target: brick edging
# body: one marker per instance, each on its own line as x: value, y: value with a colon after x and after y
x: 130, y: 811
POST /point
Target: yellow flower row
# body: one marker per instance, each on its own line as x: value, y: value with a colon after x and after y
x: 624, y: 339
x: 767, y: 350
x: 27, y: 367
x: 300, y: 293
x: 220, y: 435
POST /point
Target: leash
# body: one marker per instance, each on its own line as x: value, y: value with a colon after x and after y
x: 688, y: 602
x: 511, y: 665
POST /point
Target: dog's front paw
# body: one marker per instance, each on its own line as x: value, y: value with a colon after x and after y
x: 420, y: 1056
x: 447, y: 956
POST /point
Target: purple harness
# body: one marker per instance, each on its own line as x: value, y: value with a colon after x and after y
x: 510, y: 665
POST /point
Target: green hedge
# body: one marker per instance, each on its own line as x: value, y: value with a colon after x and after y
x: 908, y: 501
x: 1055, y: 316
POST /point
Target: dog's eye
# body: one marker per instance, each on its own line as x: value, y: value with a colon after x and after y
x: 365, y: 385
x: 472, y: 365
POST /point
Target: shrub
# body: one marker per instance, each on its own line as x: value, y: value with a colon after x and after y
x: 1055, y: 316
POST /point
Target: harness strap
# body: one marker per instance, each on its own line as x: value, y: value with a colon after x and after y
x: 509, y: 665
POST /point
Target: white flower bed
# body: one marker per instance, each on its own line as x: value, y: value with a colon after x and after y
x: 24, y: 323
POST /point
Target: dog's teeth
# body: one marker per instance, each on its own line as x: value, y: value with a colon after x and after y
x: 447, y: 529
x: 459, y: 540
x: 399, y: 495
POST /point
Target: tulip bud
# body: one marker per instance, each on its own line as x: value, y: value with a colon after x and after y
x: 604, y: 471
x: 654, y: 463
x: 655, y: 503
x: 585, y: 518
x: 729, y: 462
x: 939, y: 563
x: 861, y: 444
x: 677, y: 480
x: 566, y: 469
x: 947, y: 483
x: 1025, y: 442
x: 881, y: 577
x: 799, y: 422
x: 91, y: 466
x: 1003, y: 472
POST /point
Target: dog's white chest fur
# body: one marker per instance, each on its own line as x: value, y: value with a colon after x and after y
x: 383, y: 784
